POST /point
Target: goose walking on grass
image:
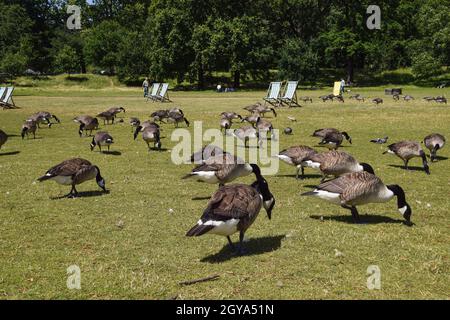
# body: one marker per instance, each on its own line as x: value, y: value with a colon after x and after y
x: 116, y: 110
x: 434, y: 142
x: 87, y: 123
x: 150, y: 134
x: 234, y: 208
x: 230, y: 115
x: 102, y: 139
x: 246, y: 133
x: 43, y: 117
x: 335, y: 163
x: 3, y: 138
x: 359, y: 188
x: 406, y: 150
x: 222, y: 169
x: 295, y: 156
x: 73, y: 172
x: 176, y: 118
x: 107, y: 116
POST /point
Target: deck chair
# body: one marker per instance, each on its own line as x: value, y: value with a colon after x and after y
x: 2, y: 92
x: 337, y: 89
x: 7, y: 101
x: 163, y: 95
x: 273, y: 94
x: 153, y: 94
x: 290, y: 95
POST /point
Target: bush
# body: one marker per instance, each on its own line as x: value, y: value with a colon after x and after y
x: 424, y: 65
x: 13, y: 63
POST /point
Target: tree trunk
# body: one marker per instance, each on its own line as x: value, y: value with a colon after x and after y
x: 350, y: 70
x: 237, y: 79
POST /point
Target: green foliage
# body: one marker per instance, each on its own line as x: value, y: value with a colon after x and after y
x: 13, y: 63
x: 298, y: 61
x: 67, y: 60
x: 424, y: 65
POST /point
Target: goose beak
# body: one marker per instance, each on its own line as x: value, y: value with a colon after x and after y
x: 268, y: 206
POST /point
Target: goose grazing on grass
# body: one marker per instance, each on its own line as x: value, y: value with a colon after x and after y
x: 74, y: 172
x: 322, y: 133
x: 441, y: 100
x: 230, y: 115
x: 141, y: 127
x: 159, y: 115
x: 252, y: 108
x: 222, y: 169
x: 246, y: 133
x: 87, y: 123
x: 331, y: 137
x: 429, y: 99
x: 406, y: 150
x: 359, y: 188
x: 380, y: 140
x: 3, y: 138
x: 377, y: 101
x: 150, y: 133
x: 408, y: 98
x: 134, y: 122
x: 434, y: 142
x: 335, y: 163
x: 264, y: 126
x: 252, y: 119
x: 306, y: 99
x: 102, y: 139
x: 176, y: 118
x: 234, y: 208
x: 107, y: 117
x: 28, y: 127
x: 225, y: 124
x: 295, y: 156
x: 205, y: 153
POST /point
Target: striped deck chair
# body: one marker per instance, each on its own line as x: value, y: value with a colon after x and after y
x: 290, y: 94
x: 273, y: 94
x: 154, y: 93
x: 163, y: 94
x: 7, y: 101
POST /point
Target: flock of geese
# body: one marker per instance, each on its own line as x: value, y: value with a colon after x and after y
x: 234, y: 207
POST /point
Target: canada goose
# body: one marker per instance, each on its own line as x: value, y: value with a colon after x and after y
x: 332, y: 137
x: 107, y: 117
x: 102, y: 139
x: 396, y: 97
x: 434, y: 142
x: 150, y: 133
x: 380, y: 140
x: 74, y: 172
x: 234, y: 208
x: 252, y: 118
x: 261, y: 109
x: 225, y: 124
x: 176, y: 109
x: 116, y: 110
x: 3, y: 138
x: 377, y: 101
x: 134, y: 122
x: 306, y: 99
x: 360, y: 98
x: 246, y: 133
x: 326, y: 97
x: 230, y: 115
x: 335, y: 163
x: 176, y: 118
x: 406, y: 150
x: 28, y: 127
x: 141, y: 127
x: 295, y: 156
x: 43, y: 116
x: 264, y: 126
x: 441, y: 100
x: 222, y: 169
x: 86, y: 123
x: 359, y: 188
x: 251, y: 108
x: 354, y: 96
x: 408, y: 98
x: 287, y: 130
x: 159, y: 115
x: 429, y: 99
x: 339, y: 98
x: 205, y: 153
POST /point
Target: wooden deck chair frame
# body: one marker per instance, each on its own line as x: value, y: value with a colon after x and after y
x: 273, y: 94
x: 163, y: 94
x: 2, y: 92
x: 290, y: 94
x: 156, y: 87
x: 7, y: 101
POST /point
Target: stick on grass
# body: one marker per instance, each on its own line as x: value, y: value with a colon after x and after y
x: 210, y: 278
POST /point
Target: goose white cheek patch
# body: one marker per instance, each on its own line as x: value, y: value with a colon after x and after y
x: 403, y: 209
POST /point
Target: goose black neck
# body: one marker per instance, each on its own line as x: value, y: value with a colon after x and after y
x: 399, y: 193
x: 424, y: 162
x: 257, y: 171
x: 98, y: 177
x: 136, y: 132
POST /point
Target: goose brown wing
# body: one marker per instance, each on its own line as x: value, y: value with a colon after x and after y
x: 68, y: 167
x: 236, y: 201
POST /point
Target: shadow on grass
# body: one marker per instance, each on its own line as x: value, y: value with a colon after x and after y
x: 160, y: 150
x: 12, y: 153
x: 365, y: 219
x: 201, y: 198
x: 84, y: 194
x: 306, y: 176
x: 439, y: 158
x: 112, y: 153
x: 409, y: 168
x: 252, y: 247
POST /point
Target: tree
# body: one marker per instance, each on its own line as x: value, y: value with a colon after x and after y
x: 13, y: 63
x: 67, y: 60
x: 298, y: 61
x: 133, y: 56
x: 101, y: 45
x: 425, y: 65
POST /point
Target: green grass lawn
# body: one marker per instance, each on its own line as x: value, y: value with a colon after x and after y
x: 292, y: 256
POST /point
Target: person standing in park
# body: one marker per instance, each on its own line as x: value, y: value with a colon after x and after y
x: 342, y: 86
x: 145, y: 86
